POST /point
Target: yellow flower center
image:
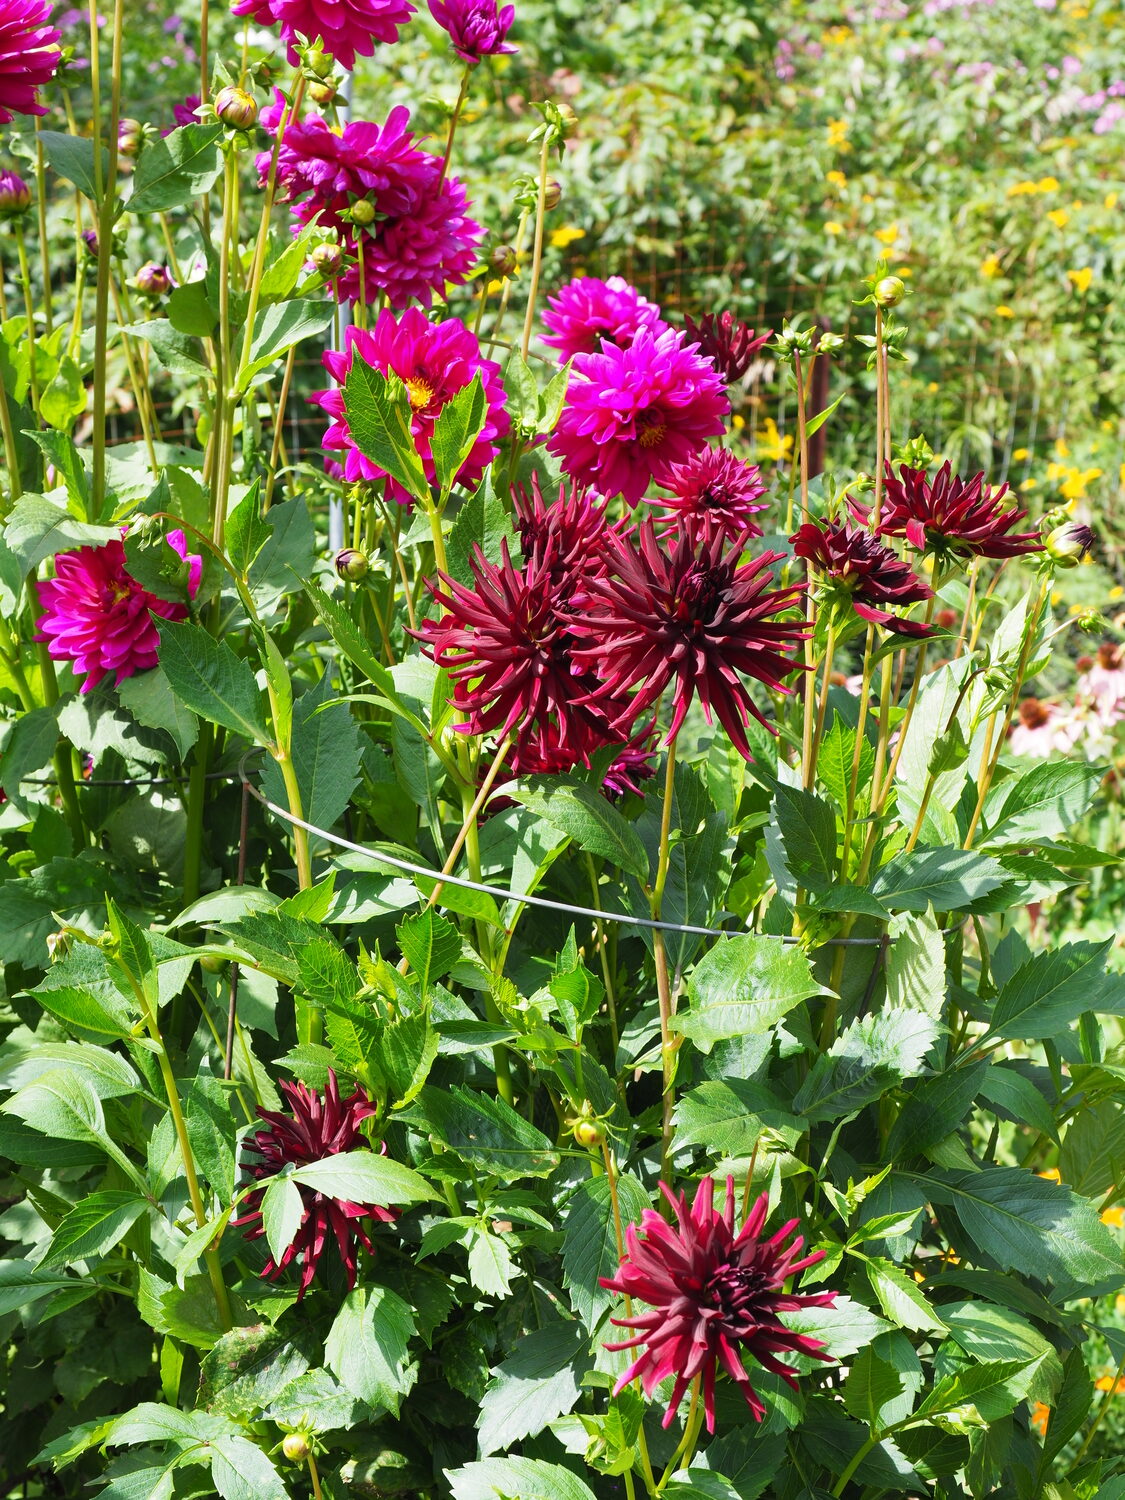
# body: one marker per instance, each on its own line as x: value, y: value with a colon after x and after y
x: 420, y: 391
x: 652, y: 428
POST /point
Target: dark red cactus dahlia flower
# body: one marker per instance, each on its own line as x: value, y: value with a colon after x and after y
x: 317, y: 1128
x: 731, y: 344
x: 571, y: 529
x: 856, y: 564
x: 949, y: 515
x: 690, y: 616
x: 713, y: 493
x: 715, y: 1295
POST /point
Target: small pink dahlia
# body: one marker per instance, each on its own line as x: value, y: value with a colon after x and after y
x: 434, y: 361
x: 100, y: 619
x: 632, y: 414
x: 29, y: 56
x: 587, y: 310
x: 476, y: 28
x: 347, y: 28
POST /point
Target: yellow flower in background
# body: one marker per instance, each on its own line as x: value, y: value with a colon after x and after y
x: 495, y: 286
x: 836, y: 178
x: 1062, y: 448
x: 833, y: 227
x: 1076, y: 482
x: 560, y: 238
x: 1023, y: 189
x: 1059, y: 217
x: 1121, y: 476
x: 1003, y: 311
x: 1110, y: 200
x: 1114, y: 1217
x: 904, y: 271
x: 1019, y: 454
x: 1107, y: 425
x: 1081, y: 280
x: 1029, y: 484
x: 990, y: 266
x: 1105, y: 1383
x: 887, y: 236
x: 1116, y: 592
x: 772, y: 446
x: 838, y: 134
x: 1047, y: 185
x: 1052, y: 1174
x: 836, y: 36
x: 933, y: 388
x: 737, y: 422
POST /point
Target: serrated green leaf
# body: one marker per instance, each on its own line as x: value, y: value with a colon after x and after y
x: 742, y: 987
x: 872, y: 1055
x: 211, y: 680
x: 585, y: 815
x: 589, y: 1249
x: 537, y: 1383
x: 367, y: 1347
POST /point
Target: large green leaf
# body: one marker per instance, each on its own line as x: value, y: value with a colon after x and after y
x: 517, y: 1479
x: 935, y: 1108
x: 326, y: 753
x: 72, y: 157
x: 379, y: 420
x: 994, y: 1387
x: 873, y: 1055
x: 365, y: 1177
x: 456, y: 430
x: 808, y: 831
x: 210, y: 680
x: 176, y: 169
x: 367, y: 1347
x: 585, y: 815
x: 727, y: 1116
x: 743, y: 987
x: 538, y: 1382
x: 247, y: 1369
x: 1046, y: 801
x: 278, y: 328
x: 589, y: 1248
x: 946, y: 879
x: 1050, y: 991
x: 93, y: 1227
x: 483, y: 1130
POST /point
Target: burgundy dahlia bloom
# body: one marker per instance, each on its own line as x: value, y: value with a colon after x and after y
x: 569, y: 532
x: 730, y: 344
x: 951, y: 516
x: 476, y: 28
x: 29, y: 56
x: 316, y: 1129
x: 632, y: 414
x: 713, y: 494
x: 434, y: 361
x: 587, y: 310
x: 858, y: 566
x: 716, y: 1295
x: 691, y: 617
x: 347, y: 28
x: 100, y: 619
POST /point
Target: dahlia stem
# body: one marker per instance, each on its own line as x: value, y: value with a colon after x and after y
x: 454, y: 117
x: 29, y: 312
x: 197, y: 795
x: 685, y: 1449
x: 107, y: 191
x: 607, y: 976
x: 822, y: 710
x: 865, y: 1448
x: 619, y: 1235
x: 537, y: 254
x: 666, y: 999
x: 41, y: 216
x: 880, y: 452
x: 11, y: 453
x: 506, y: 292
x: 471, y: 816
x: 1107, y: 1397
x: 857, y: 749
x: 278, y: 427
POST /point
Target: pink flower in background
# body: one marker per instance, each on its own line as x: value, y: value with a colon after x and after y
x: 632, y: 414
x: 476, y: 28
x: 29, y: 56
x: 587, y: 310
x: 1043, y: 730
x: 347, y: 28
x: 434, y: 361
x: 713, y: 494
x: 99, y: 618
x: 1103, y: 682
x: 184, y: 114
x: 418, y: 255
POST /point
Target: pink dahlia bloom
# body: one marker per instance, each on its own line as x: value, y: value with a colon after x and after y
x: 100, y: 619
x: 434, y: 361
x: 185, y: 113
x: 29, y: 56
x: 632, y: 414
x: 347, y: 28
x: 587, y: 310
x: 420, y: 236
x: 476, y: 28
x: 713, y: 494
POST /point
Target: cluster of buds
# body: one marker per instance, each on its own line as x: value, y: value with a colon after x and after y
x: 318, y: 66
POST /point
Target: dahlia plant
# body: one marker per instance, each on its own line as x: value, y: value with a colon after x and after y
x: 439, y: 863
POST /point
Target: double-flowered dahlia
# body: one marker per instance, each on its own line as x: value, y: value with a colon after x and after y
x: 316, y: 1129
x: 692, y: 617
x: 716, y: 1294
x: 713, y: 494
x: 951, y: 516
x: 729, y: 344
x: 434, y: 361
x: 347, y: 28
x: 100, y: 619
x: 859, y: 568
x: 632, y: 414
x: 29, y: 56
x: 385, y: 197
x: 476, y: 28
x: 587, y: 310
x: 567, y: 532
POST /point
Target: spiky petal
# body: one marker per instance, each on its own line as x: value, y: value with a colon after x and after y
x: 730, y: 344
x: 713, y: 494
x: 950, y: 516
x: 861, y: 569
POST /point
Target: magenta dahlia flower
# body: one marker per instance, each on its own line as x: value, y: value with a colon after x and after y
x: 692, y: 617
x: 715, y: 1294
x: 347, y: 28
x: 731, y: 345
x: 857, y: 567
x: 185, y: 112
x: 587, y: 310
x: 434, y: 361
x: 29, y: 56
x: 713, y: 494
x: 951, y: 516
x: 100, y: 619
x: 316, y: 1129
x: 476, y: 28
x: 632, y: 414
x: 414, y: 257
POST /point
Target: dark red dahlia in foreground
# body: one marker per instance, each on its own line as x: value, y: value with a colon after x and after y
x: 570, y: 529
x: 715, y: 1295
x: 316, y: 1129
x: 951, y: 516
x: 713, y: 494
x: 854, y: 564
x: 692, y: 617
x: 731, y: 344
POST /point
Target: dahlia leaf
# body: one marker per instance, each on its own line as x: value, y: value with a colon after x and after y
x: 177, y: 168
x: 1051, y: 990
x: 1069, y: 1410
x: 529, y: 1478
x: 431, y: 946
x: 1014, y: 1096
x: 354, y: 644
x: 901, y: 1299
x: 481, y: 521
x: 317, y: 1399
x: 241, y: 1471
x: 405, y: 1054
x: 883, y: 1382
x: 326, y: 752
x: 28, y: 747
x: 590, y: 1248
x: 743, y: 986
x: 995, y: 1387
x: 365, y: 1177
x: 814, y: 424
x: 93, y: 1227
x: 379, y: 419
x: 989, y: 1332
x: 873, y: 1055
x: 72, y: 157
x: 1092, y: 1158
x: 367, y: 1347
x: 37, y: 528
x: 247, y: 531
x: 538, y: 1382
x: 844, y: 1328
x: 808, y: 831
x: 915, y: 966
x: 191, y: 311
x: 287, y: 557
x: 149, y: 698
x: 946, y: 879
x: 490, y: 1264
x: 283, y: 1210
x: 728, y: 1116
x: 584, y: 815
x: 934, y: 1109
x: 177, y: 352
x: 212, y: 681
x: 279, y: 328
x: 484, y: 1131
x: 456, y: 430
x: 21, y: 1284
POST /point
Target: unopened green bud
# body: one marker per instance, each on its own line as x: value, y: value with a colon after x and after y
x: 1091, y: 622
x: 352, y: 565
x: 568, y: 120
x: 829, y: 343
x: 295, y: 1446
x: 503, y: 260
x: 554, y: 194
x: 323, y: 91
x: 362, y: 212
x: 327, y: 259
x: 130, y: 134
x: 890, y: 291
x: 317, y: 61
x: 236, y: 108
x: 1069, y: 544
x: 153, y: 280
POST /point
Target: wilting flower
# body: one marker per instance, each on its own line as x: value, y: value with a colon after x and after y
x: 713, y: 494
x: 317, y: 1128
x: 730, y: 344
x: 29, y: 56
x: 715, y: 1294
x: 691, y: 617
x: 99, y: 618
x: 434, y: 361
x: 856, y: 565
x: 386, y: 199
x: 587, y: 310
x: 476, y: 28
x: 632, y: 414
x: 15, y: 195
x: 347, y: 28
x: 949, y: 515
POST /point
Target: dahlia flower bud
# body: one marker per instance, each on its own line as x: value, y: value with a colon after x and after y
x: 59, y: 945
x: 327, y: 259
x: 90, y: 240
x: 554, y: 194
x: 362, y: 212
x: 890, y: 291
x: 1069, y: 544
x: 503, y: 260
x: 153, y: 280
x: 317, y: 61
x: 236, y: 108
x: 15, y: 196
x: 588, y: 1133
x: 568, y: 120
x: 1091, y: 622
x: 130, y: 134
x: 352, y: 565
x: 295, y: 1446
x: 323, y: 91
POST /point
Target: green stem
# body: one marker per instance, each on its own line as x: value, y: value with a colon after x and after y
x: 29, y: 311
x: 685, y: 1449
x: 537, y: 254
x: 41, y: 215
x: 455, y: 116
x: 665, y: 998
x: 197, y: 795
x: 107, y: 199
x: 842, y: 1483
